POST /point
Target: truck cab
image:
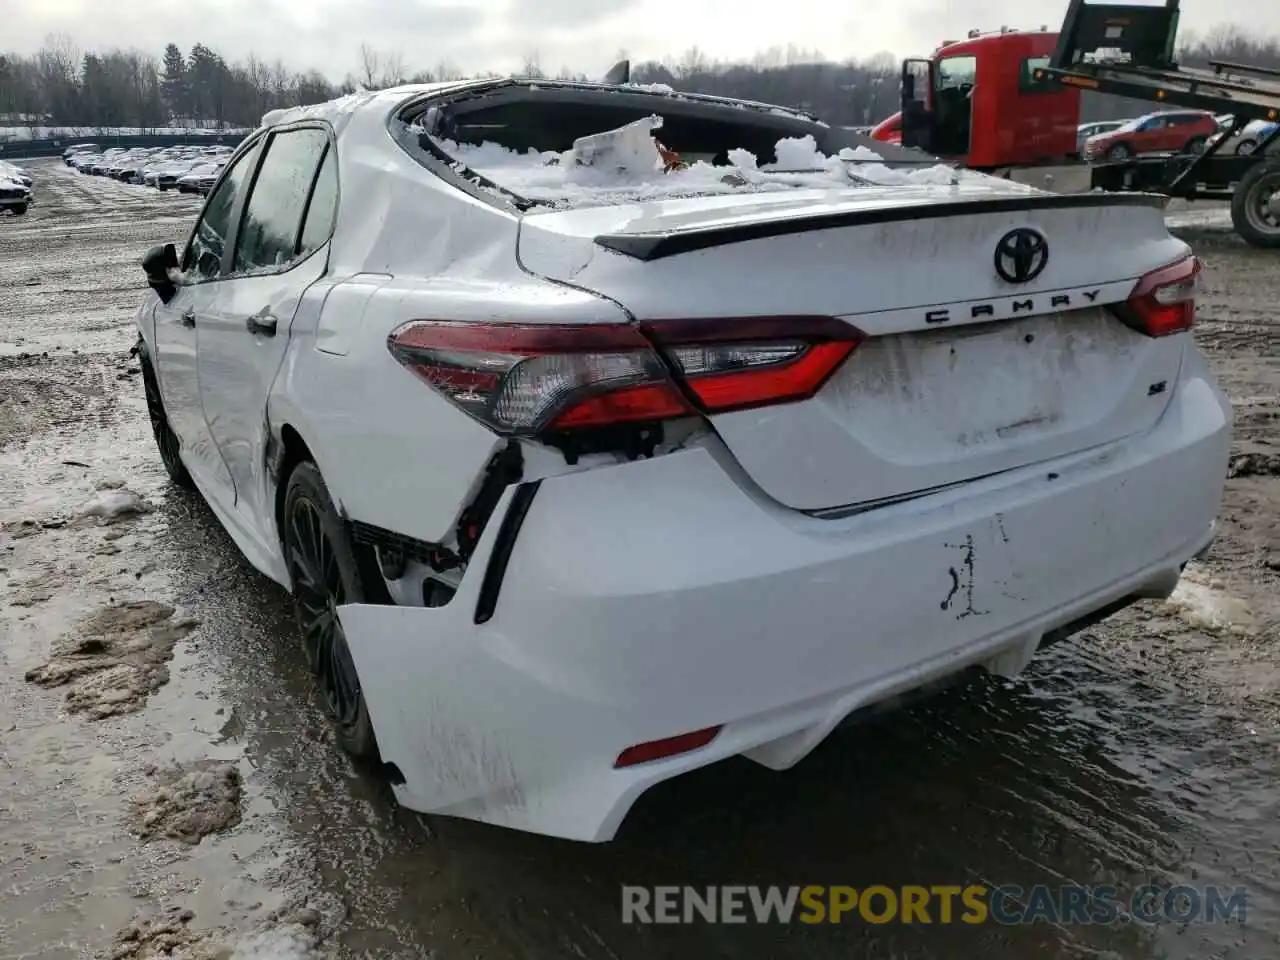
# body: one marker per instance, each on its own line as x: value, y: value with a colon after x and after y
x: 978, y: 102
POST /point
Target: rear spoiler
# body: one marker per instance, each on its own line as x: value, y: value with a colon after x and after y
x: 657, y: 245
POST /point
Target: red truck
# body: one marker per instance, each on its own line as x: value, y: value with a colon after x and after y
x: 979, y: 102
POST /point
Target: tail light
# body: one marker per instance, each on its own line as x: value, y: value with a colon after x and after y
x: 525, y: 380
x: 1164, y: 301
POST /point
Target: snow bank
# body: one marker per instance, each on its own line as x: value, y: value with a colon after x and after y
x: 577, y: 178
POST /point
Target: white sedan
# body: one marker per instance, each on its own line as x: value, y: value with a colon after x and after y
x: 602, y: 433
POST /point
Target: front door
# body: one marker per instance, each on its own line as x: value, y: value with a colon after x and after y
x: 280, y: 251
x: 177, y: 331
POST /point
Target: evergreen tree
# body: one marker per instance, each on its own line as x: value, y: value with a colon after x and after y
x: 174, y: 90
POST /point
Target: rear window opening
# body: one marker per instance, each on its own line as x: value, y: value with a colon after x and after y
x: 568, y: 146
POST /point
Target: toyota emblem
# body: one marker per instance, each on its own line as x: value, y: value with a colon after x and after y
x: 1021, y: 255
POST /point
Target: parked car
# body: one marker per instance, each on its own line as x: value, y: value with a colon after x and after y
x: 1176, y: 131
x: 165, y: 175
x: 10, y: 171
x: 1246, y: 140
x: 15, y: 196
x: 583, y: 480
x: 200, y: 179
x: 1087, y: 130
x: 79, y: 148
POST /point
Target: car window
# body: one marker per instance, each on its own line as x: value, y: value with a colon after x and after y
x: 203, y: 259
x: 272, y: 221
x: 318, y: 224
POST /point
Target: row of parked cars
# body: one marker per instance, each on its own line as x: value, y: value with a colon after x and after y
x: 1168, y: 131
x: 15, y: 189
x: 185, y: 168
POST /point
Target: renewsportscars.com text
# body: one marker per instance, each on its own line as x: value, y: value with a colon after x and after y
x: 971, y: 904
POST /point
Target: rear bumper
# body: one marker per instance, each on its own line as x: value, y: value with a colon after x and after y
x: 660, y: 597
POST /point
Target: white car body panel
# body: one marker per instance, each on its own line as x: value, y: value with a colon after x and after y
x: 237, y: 371
x: 651, y: 599
x: 644, y: 599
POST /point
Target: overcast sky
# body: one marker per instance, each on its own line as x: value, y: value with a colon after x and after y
x: 580, y: 34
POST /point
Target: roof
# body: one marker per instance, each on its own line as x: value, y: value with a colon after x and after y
x: 338, y: 112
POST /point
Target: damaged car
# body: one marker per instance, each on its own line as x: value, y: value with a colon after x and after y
x: 601, y: 433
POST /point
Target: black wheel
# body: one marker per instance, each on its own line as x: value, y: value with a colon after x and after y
x: 19, y: 209
x: 1195, y: 145
x: 326, y: 574
x: 1121, y: 151
x: 166, y: 439
x: 1246, y: 147
x: 1255, y: 205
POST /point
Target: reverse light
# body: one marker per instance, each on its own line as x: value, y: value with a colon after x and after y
x: 1164, y: 301
x: 526, y: 380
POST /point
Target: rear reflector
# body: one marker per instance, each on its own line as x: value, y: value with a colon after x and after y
x: 529, y: 380
x: 1164, y: 301
x: 662, y: 749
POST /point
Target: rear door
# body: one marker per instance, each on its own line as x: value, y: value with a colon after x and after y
x: 280, y: 249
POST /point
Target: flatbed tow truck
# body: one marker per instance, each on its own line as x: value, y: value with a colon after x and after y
x: 1128, y: 50
x: 1008, y: 103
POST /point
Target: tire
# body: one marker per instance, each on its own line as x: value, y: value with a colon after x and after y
x: 1246, y: 147
x: 1255, y: 205
x: 166, y: 440
x: 1195, y: 145
x: 19, y: 209
x: 1119, y: 151
x: 324, y: 573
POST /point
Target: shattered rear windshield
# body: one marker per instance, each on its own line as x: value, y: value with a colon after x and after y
x: 632, y: 163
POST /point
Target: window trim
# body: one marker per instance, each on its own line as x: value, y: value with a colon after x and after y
x: 330, y: 144
x: 251, y: 143
x: 330, y: 149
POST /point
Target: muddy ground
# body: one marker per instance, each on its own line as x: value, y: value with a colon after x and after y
x: 168, y: 787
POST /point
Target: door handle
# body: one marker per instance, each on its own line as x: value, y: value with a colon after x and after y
x: 188, y: 317
x: 262, y: 323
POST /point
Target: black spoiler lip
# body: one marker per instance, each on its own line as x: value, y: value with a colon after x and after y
x: 657, y: 245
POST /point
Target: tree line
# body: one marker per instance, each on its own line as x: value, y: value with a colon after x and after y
x: 61, y: 85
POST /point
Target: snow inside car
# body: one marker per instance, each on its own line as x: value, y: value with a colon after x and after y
x: 603, y: 433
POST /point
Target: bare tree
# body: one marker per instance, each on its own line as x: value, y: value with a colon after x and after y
x: 369, y: 73
x: 532, y: 66
x: 393, y: 69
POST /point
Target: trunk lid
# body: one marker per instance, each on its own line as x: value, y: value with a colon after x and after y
x: 963, y: 373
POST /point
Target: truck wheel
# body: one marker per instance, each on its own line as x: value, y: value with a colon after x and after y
x: 1245, y: 147
x: 1121, y: 151
x: 19, y: 209
x: 1255, y: 205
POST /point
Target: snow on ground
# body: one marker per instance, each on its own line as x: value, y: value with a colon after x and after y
x: 574, y: 179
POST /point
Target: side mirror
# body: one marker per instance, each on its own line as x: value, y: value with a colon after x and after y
x: 157, y: 264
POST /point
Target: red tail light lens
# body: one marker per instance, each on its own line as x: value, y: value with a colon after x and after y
x: 1164, y: 301
x: 524, y: 380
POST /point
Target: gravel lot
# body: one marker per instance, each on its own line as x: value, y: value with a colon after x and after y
x: 168, y: 786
